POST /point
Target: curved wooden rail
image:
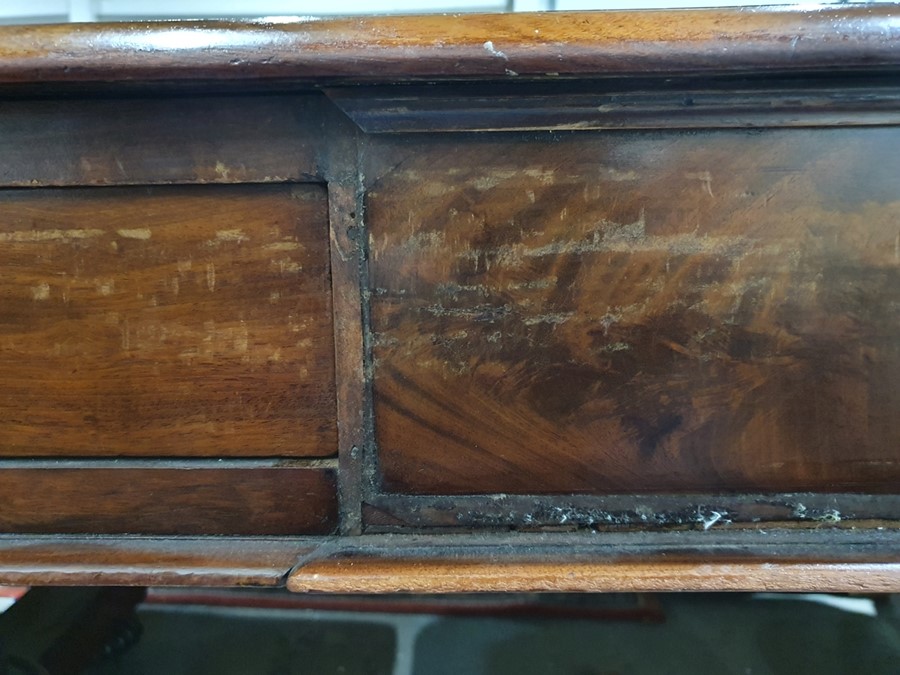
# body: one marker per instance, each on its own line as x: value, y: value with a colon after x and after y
x: 458, y: 46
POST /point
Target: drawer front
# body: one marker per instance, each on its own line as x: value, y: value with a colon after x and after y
x: 166, y: 498
x: 626, y: 312
x: 185, y: 321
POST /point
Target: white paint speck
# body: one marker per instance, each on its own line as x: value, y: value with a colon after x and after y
x: 493, y: 51
x: 28, y: 236
x: 711, y: 520
x: 141, y: 233
x: 41, y: 291
x: 231, y: 235
x: 284, y: 246
x: 705, y: 178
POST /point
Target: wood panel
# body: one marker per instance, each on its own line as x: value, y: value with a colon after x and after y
x: 637, y: 312
x: 167, y: 500
x: 136, y: 141
x: 505, y: 46
x: 167, y: 321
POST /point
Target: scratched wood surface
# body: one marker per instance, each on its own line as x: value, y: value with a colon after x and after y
x: 637, y: 311
x: 167, y: 321
x: 139, y: 141
x: 435, y: 47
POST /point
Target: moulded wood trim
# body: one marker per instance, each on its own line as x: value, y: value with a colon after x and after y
x: 461, y: 46
x: 372, y: 575
x: 631, y: 104
x: 114, y: 561
x: 825, y: 560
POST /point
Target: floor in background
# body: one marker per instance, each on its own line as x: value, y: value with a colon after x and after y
x: 719, y: 634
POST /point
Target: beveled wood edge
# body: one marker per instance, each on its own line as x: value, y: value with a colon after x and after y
x: 147, y: 561
x: 390, y: 48
x: 457, y: 108
x: 827, y: 560
x: 373, y: 575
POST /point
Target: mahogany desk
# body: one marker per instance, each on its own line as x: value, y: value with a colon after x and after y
x: 572, y: 301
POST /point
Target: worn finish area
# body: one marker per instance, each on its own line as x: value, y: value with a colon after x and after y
x: 637, y: 312
x: 166, y: 321
x: 563, y: 301
x: 435, y: 47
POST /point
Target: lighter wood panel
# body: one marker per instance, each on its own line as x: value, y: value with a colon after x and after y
x: 623, y: 312
x: 167, y: 321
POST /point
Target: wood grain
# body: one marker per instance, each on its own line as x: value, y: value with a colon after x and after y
x: 167, y: 500
x: 146, y: 561
x: 372, y: 575
x: 352, y: 406
x: 633, y: 103
x: 169, y: 321
x: 139, y: 141
x: 434, y: 47
x: 637, y: 312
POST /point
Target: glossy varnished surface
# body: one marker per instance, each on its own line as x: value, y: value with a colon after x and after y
x: 635, y: 312
x: 145, y: 561
x: 429, y: 47
x: 756, y: 559
x: 355, y: 575
x: 176, y: 321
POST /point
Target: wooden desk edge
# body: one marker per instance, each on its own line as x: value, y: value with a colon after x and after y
x: 147, y: 561
x: 430, y: 47
x: 831, y: 561
x: 372, y: 575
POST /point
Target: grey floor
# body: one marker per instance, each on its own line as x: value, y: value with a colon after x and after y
x: 720, y: 634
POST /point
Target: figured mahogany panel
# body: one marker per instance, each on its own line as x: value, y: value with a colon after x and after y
x: 166, y: 321
x: 167, y: 500
x: 637, y: 311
